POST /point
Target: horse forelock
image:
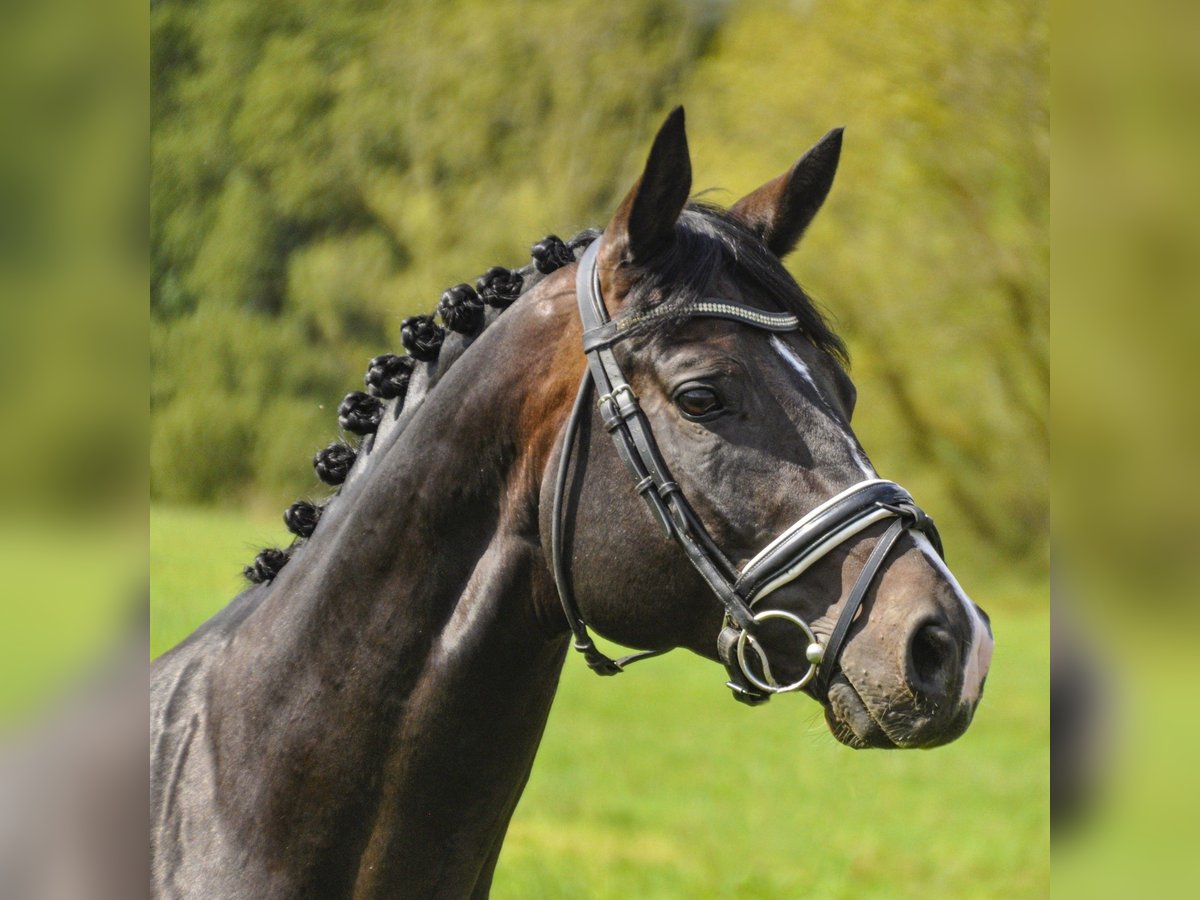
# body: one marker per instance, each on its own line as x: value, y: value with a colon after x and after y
x: 709, y: 242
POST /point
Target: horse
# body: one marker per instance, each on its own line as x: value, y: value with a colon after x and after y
x: 646, y: 432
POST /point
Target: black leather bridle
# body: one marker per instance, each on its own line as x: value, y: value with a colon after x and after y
x: 799, y: 546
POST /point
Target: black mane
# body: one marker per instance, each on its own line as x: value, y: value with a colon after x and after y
x: 709, y: 241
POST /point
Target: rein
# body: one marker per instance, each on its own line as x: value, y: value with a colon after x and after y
x: 783, y: 560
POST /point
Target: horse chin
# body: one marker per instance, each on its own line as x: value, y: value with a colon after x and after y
x: 851, y: 721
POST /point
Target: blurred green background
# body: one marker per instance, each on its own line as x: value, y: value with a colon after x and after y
x: 322, y: 170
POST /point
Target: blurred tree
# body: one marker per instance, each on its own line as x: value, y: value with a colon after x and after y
x: 321, y: 170
x: 331, y: 167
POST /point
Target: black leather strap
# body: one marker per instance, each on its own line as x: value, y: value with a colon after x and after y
x: 833, y: 647
x: 597, y: 661
x: 797, y: 543
x: 625, y: 421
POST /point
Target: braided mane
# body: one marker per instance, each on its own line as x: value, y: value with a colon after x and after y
x: 462, y: 309
x: 709, y: 238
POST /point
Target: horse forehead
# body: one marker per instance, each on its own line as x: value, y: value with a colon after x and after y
x: 699, y: 339
x: 702, y: 338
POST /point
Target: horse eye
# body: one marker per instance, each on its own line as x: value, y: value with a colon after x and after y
x: 699, y: 402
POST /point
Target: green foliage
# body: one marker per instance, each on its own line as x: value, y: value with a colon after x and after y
x: 321, y: 170
x: 228, y: 388
x: 220, y: 425
x: 233, y: 265
x: 337, y: 287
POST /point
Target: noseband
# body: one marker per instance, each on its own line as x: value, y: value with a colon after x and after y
x: 787, y: 557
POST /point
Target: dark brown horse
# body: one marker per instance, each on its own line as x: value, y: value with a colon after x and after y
x: 362, y: 722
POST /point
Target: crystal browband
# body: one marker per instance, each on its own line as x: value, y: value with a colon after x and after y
x: 611, y: 332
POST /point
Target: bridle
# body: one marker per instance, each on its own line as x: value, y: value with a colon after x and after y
x: 798, y: 547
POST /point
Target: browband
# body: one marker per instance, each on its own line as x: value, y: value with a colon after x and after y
x: 608, y: 333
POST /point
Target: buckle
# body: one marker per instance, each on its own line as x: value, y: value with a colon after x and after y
x: 614, y: 395
x: 612, y: 411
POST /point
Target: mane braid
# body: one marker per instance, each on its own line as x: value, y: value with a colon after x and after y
x: 709, y: 240
x: 464, y: 310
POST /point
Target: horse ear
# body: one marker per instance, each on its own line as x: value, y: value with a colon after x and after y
x: 782, y: 208
x: 644, y: 224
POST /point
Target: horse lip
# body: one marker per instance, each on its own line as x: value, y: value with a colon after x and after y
x: 851, y: 720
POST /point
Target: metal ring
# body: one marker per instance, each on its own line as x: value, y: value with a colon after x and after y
x: 771, y: 686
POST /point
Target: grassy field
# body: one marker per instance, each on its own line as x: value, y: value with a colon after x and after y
x: 657, y: 784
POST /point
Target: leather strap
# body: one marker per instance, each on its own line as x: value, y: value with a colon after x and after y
x: 623, y: 418
x: 597, y: 661
x: 608, y: 333
x: 833, y: 647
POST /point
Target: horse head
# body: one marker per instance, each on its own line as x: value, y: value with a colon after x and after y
x: 752, y: 424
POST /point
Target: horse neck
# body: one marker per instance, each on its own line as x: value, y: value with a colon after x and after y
x: 402, y: 666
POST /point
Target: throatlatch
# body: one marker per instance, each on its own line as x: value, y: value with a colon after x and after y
x: 783, y: 560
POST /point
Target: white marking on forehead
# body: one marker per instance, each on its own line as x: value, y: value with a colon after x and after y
x: 979, y: 654
x: 793, y: 360
x: 790, y: 357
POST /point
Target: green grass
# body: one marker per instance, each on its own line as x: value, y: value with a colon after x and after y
x: 656, y: 784
x: 196, y: 559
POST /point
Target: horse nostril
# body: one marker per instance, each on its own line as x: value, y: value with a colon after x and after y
x: 932, y: 657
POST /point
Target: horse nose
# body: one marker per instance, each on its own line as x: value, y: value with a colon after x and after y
x: 933, y: 660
